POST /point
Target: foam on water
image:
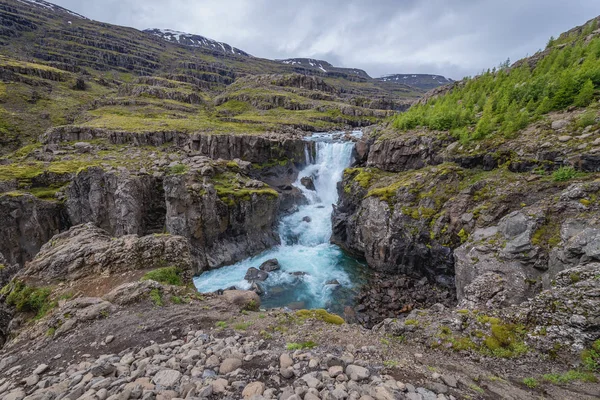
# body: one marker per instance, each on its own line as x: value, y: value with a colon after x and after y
x: 305, y: 246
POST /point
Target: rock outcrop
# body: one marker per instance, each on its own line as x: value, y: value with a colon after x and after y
x: 86, y: 250
x: 221, y: 230
x: 510, y: 262
x: 27, y: 223
x: 117, y: 202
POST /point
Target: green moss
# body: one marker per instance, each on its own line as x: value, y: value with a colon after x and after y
x: 176, y: 300
x: 168, y: 275
x: 505, y: 341
x: 363, y: 176
x: 463, y: 235
x: 411, y: 322
x: 178, y: 169
x: 547, y: 235
x: 231, y: 190
x: 301, y: 346
x: 321, y: 315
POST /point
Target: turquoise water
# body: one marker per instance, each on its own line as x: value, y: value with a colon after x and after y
x: 305, y: 246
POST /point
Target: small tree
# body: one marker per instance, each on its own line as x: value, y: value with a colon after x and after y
x: 80, y: 83
x: 586, y: 94
x: 551, y: 42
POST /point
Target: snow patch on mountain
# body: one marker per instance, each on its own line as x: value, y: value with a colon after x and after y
x: 192, y: 40
x: 50, y: 7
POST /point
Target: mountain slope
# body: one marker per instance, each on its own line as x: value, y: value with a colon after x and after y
x: 421, y: 81
x: 137, y: 80
x: 192, y: 40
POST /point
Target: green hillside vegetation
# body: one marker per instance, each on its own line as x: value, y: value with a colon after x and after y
x: 502, y: 102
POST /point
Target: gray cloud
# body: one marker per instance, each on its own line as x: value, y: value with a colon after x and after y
x: 452, y: 38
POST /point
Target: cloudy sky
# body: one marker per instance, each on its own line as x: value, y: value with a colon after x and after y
x: 447, y: 37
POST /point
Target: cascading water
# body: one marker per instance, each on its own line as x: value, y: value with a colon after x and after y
x: 310, y: 265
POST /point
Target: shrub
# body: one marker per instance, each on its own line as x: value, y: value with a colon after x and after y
x: 586, y: 119
x: 531, y: 383
x: 591, y: 357
x: 29, y: 299
x: 564, y: 174
x: 178, y: 169
x: 167, y: 275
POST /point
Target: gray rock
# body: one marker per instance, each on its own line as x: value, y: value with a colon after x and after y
x: 559, y: 124
x: 229, y: 365
x: 254, y: 274
x: 167, y: 378
x: 270, y: 265
x: 357, y: 373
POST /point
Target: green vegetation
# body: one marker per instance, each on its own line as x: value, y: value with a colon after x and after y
x: 231, y: 190
x: 251, y: 306
x: 167, y: 275
x: 531, y: 383
x: 564, y: 174
x: 242, y: 326
x: 221, y: 325
x: 176, y: 300
x: 390, y: 363
x: 156, y: 297
x: 28, y: 298
x: 591, y: 357
x: 178, y: 169
x: 301, y: 346
x: 569, y: 376
x: 320, y: 315
x: 502, y: 102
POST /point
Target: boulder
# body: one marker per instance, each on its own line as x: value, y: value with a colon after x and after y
x: 229, y: 365
x: 270, y: 265
x: 167, y: 378
x: 254, y: 274
x: 308, y: 183
x: 242, y: 298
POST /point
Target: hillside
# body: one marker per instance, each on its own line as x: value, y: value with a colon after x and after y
x: 175, y: 81
x: 421, y: 81
x: 171, y: 230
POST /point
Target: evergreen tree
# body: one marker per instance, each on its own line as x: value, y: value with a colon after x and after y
x: 586, y: 94
x: 551, y: 42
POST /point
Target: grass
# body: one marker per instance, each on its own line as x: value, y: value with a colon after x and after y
x: 531, y: 383
x: 156, y: 297
x: 301, y: 346
x: 166, y: 275
x: 321, y: 315
x: 242, y: 326
x: 570, y: 376
x: 221, y: 325
x: 591, y: 357
x: 28, y: 298
x: 178, y: 169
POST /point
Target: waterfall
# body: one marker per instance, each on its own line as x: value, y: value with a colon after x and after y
x: 305, y: 248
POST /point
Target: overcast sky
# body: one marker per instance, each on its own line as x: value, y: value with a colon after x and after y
x: 447, y: 37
